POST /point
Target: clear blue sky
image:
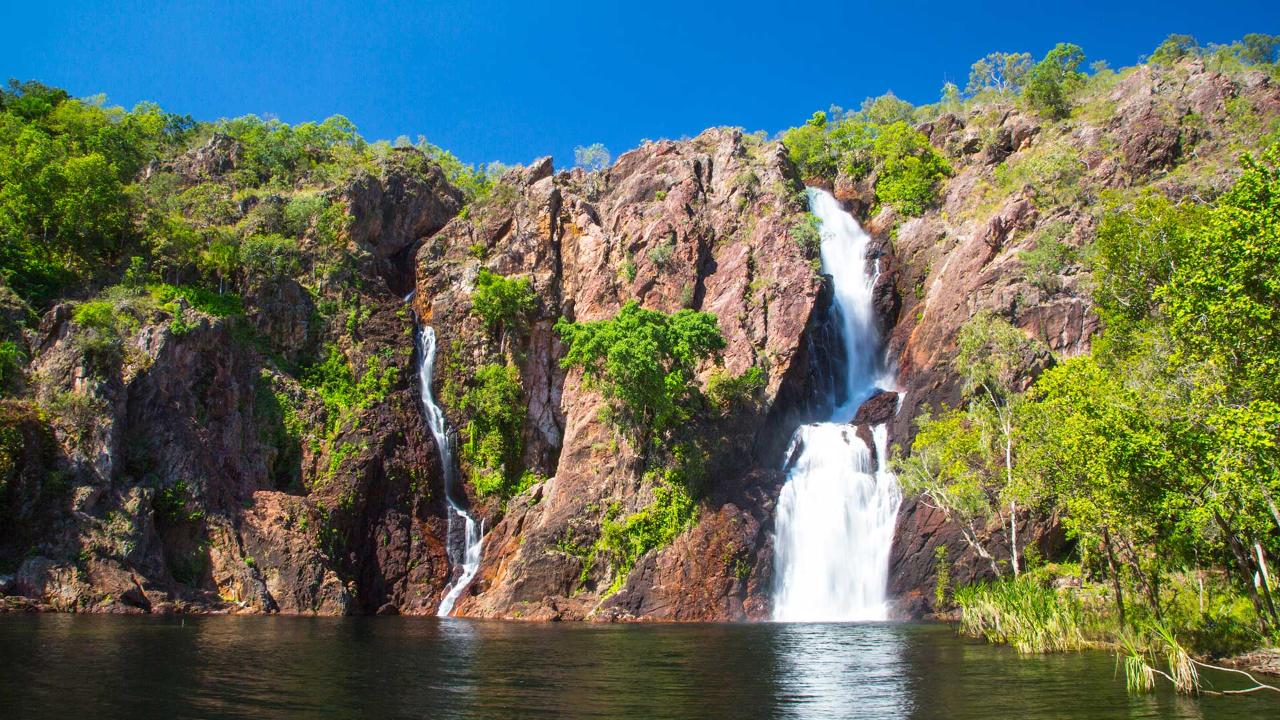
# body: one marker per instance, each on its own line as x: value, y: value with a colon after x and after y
x: 512, y: 81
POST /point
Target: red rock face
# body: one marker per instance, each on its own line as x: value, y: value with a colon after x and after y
x: 702, y: 224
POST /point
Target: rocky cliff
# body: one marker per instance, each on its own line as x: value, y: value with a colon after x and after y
x: 273, y: 457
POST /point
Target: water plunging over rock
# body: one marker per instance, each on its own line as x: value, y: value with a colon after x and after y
x: 836, y: 512
x: 466, y: 546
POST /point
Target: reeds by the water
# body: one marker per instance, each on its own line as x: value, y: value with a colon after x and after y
x: 1022, y: 612
x: 1032, y: 616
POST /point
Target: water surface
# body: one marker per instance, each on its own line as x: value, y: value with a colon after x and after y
x: 56, y: 666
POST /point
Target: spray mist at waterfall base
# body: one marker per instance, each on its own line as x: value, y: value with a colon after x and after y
x: 836, y: 513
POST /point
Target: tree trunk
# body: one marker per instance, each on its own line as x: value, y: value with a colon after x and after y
x: 1246, y: 568
x: 1115, y: 575
x: 1266, y: 582
x: 1013, y: 535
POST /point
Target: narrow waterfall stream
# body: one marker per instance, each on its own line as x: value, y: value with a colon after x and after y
x: 836, y: 514
x: 464, y: 536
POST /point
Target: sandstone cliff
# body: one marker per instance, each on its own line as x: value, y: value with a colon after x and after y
x: 196, y: 460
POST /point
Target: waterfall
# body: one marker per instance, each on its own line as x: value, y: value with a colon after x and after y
x: 836, y: 515
x: 464, y: 544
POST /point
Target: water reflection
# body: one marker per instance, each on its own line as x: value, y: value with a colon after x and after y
x: 815, y: 662
x: 227, y: 667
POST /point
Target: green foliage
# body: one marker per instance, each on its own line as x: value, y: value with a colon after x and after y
x: 206, y: 301
x: 1052, y: 173
x: 727, y: 392
x: 809, y: 147
x: 880, y: 138
x: 999, y: 72
x: 301, y: 212
x: 1102, y: 456
x: 942, y: 589
x: 12, y: 360
x: 625, y: 540
x: 64, y: 166
x: 95, y: 315
x: 953, y: 464
x: 1138, y: 245
x: 644, y: 361
x: 1174, y: 48
x: 276, y: 153
x: 495, y: 404
x: 806, y: 233
x: 660, y: 254
x: 1022, y: 612
x: 962, y: 460
x: 1260, y: 48
x: 991, y: 356
x: 343, y: 395
x: 475, y: 182
x: 1043, y: 265
x: 1051, y: 81
x: 270, y: 256
x: 1223, y: 299
x: 176, y: 503
x: 591, y: 158
x: 887, y: 110
x: 504, y: 303
x: 910, y: 169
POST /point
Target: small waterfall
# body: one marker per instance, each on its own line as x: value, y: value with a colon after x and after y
x: 836, y: 515
x: 464, y: 537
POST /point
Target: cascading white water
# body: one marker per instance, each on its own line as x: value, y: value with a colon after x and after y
x: 472, y: 541
x: 836, y: 515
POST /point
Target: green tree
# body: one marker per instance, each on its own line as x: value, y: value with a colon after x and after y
x: 592, y: 158
x: 887, y: 109
x: 809, y: 147
x: 999, y: 72
x: 1051, y: 81
x: 1223, y: 300
x: 951, y: 468
x: 910, y: 169
x: 1222, y: 305
x: 504, y: 303
x: 1259, y: 48
x: 1174, y: 48
x: 1092, y: 445
x: 645, y: 362
x: 992, y: 358
x: 1139, y: 244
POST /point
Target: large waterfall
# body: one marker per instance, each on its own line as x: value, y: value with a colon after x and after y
x: 836, y: 515
x: 464, y: 538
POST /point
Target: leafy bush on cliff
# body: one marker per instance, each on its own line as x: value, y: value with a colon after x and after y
x: 503, y: 303
x: 343, y: 395
x: 495, y: 404
x: 909, y: 168
x: 1052, y: 80
x: 645, y: 362
x: 625, y: 540
x: 11, y: 361
x: 727, y: 392
x: 879, y: 139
